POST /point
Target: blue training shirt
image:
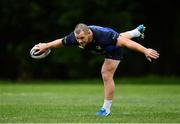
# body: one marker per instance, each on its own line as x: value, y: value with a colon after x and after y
x: 104, y: 41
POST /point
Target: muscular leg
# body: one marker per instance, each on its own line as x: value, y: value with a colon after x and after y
x: 131, y: 34
x: 108, y: 69
x: 137, y: 32
x: 126, y: 35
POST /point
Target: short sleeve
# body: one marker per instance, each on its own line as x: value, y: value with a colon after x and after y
x: 69, y: 40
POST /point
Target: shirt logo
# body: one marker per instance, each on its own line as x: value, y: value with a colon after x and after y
x: 98, y: 48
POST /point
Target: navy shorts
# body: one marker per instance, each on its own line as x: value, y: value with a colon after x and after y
x: 117, y: 53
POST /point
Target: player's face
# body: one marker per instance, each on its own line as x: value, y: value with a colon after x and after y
x: 83, y: 38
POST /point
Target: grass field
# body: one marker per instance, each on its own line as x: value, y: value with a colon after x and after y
x: 77, y: 103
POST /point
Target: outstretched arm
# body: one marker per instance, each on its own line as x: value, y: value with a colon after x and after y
x: 148, y: 52
x: 53, y: 44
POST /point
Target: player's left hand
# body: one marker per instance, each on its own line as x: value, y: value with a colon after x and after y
x: 151, y: 54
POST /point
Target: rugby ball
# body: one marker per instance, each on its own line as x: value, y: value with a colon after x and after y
x: 35, y: 55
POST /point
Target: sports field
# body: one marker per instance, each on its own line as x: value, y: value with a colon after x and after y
x: 65, y: 102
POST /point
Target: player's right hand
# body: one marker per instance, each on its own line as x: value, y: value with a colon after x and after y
x: 41, y: 47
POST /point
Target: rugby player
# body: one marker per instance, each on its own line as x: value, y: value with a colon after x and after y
x: 104, y: 41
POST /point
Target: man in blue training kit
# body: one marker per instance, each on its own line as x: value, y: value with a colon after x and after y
x: 104, y: 41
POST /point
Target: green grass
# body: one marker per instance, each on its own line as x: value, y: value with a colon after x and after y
x: 78, y: 103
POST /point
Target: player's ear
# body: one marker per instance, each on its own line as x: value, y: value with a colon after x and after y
x: 89, y: 32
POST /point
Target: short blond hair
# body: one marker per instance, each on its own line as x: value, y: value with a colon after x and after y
x: 81, y: 27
